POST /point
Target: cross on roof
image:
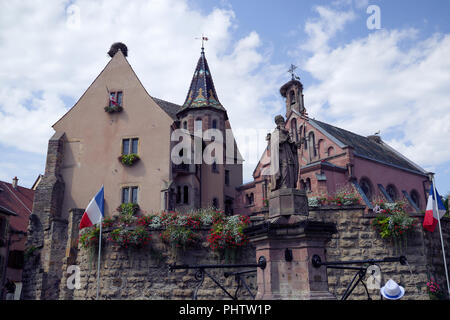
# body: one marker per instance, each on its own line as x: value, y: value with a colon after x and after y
x: 291, y: 71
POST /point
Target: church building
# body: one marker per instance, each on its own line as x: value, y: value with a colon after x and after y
x: 331, y: 158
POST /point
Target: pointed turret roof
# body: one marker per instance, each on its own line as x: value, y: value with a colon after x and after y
x: 202, y: 92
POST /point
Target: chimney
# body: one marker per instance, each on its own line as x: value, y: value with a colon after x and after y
x: 14, y: 182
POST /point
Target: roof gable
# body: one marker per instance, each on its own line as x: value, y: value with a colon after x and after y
x: 120, y: 65
x: 18, y: 200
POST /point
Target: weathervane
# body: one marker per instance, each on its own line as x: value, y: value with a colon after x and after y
x: 291, y: 71
x: 203, y: 41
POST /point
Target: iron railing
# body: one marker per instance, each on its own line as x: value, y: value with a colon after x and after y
x: 239, y: 276
x: 361, y: 270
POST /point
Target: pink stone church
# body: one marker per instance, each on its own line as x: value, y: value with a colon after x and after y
x: 331, y: 158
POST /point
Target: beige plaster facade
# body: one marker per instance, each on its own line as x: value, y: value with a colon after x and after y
x: 93, y: 142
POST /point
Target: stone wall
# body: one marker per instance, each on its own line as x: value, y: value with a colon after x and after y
x: 46, y: 230
x: 356, y: 240
x: 143, y: 273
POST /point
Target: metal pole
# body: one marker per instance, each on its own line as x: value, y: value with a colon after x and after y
x: 440, y: 232
x: 98, y: 261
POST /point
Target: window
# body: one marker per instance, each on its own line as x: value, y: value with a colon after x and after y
x: 319, y: 146
x: 178, y: 198
x: 292, y: 96
x: 198, y: 124
x: 294, y: 129
x: 214, y: 167
x: 308, y: 185
x: 228, y: 206
x: 186, y: 195
x: 215, y: 203
x: 130, y: 146
x: 392, y: 192
x: 366, y: 187
x: 250, y: 199
x: 330, y: 151
x: 227, y: 177
x: 185, y: 125
x: 312, y: 145
x: 214, y: 124
x: 115, y: 98
x: 302, y: 185
x: 130, y: 194
x: 16, y: 259
x: 415, y: 198
x: 3, y: 225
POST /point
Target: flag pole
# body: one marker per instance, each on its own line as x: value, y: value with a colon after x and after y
x: 98, y: 261
x: 435, y: 204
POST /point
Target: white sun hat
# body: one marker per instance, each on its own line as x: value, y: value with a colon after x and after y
x: 392, y: 290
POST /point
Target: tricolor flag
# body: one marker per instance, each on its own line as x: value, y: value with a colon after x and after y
x: 94, y: 212
x: 112, y: 99
x: 431, y: 216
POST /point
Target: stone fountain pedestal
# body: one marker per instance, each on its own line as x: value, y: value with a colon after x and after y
x: 288, y: 240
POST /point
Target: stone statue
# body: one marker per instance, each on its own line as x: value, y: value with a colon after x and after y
x: 287, y: 174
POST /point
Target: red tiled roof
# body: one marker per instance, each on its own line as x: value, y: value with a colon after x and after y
x: 19, y: 201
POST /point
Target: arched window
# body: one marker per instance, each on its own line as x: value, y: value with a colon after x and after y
x: 330, y: 151
x: 415, y: 198
x: 186, y: 194
x: 302, y: 185
x: 319, y: 146
x: 198, y: 124
x: 366, y: 187
x: 292, y: 96
x: 392, y: 192
x: 312, y: 145
x: 214, y: 124
x: 294, y: 129
x: 308, y: 185
x: 250, y: 199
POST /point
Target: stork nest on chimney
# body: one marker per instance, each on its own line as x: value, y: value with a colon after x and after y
x: 115, y: 47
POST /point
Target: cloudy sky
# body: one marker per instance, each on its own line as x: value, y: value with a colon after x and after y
x: 394, y: 77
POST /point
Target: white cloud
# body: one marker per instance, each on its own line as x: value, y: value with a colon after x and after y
x: 322, y: 29
x: 388, y: 80
x: 47, y: 56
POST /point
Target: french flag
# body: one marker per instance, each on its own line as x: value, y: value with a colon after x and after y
x: 431, y: 217
x: 112, y: 99
x: 94, y: 212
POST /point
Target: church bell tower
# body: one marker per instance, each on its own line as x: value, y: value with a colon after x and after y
x: 293, y: 92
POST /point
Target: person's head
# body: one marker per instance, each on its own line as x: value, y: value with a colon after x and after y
x: 392, y: 291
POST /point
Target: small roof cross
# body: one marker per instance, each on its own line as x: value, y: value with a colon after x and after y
x: 291, y: 71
